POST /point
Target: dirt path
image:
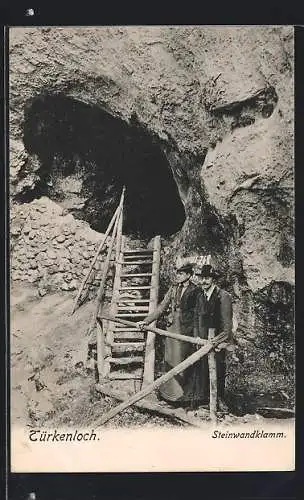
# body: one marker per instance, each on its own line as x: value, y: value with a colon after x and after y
x: 47, y: 388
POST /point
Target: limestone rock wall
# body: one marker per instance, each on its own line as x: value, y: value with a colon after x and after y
x: 227, y: 91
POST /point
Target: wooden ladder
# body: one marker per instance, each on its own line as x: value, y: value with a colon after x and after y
x: 130, y: 353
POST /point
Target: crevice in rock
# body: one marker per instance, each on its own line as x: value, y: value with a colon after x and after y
x: 85, y: 157
x: 206, y: 230
x: 225, y: 118
x: 286, y: 253
x: 262, y: 102
x: 274, y: 309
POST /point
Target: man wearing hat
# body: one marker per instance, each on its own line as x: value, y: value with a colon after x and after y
x: 180, y: 300
x: 213, y: 309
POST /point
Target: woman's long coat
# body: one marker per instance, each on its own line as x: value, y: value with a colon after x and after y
x: 182, y: 321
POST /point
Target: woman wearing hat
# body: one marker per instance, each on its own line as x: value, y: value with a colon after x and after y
x: 213, y: 309
x: 180, y: 300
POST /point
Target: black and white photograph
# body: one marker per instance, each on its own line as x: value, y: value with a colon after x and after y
x: 151, y: 212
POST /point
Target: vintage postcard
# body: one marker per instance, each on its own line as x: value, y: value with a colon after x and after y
x: 152, y: 248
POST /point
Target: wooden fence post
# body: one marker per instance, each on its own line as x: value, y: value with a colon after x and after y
x: 212, y: 379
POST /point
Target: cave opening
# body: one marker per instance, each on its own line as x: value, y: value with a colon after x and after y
x: 86, y: 156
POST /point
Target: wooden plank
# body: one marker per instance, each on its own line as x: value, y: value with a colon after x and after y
x: 137, y: 251
x: 193, y: 358
x: 126, y: 300
x: 131, y: 258
x: 119, y: 235
x: 100, y: 294
x: 128, y: 335
x: 135, y: 275
x: 212, y: 379
x: 138, y: 256
x: 100, y: 346
x: 159, y: 331
x: 126, y: 361
x: 276, y: 412
x: 128, y: 346
x: 133, y: 308
x: 116, y: 285
x: 137, y: 375
x: 131, y: 315
x: 135, y: 288
x: 154, y: 407
x: 127, y: 330
x: 136, y: 262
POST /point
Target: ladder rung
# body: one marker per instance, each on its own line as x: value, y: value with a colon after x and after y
x: 127, y: 275
x: 126, y: 361
x: 137, y: 375
x: 133, y: 308
x: 128, y: 346
x: 140, y: 250
x: 134, y: 288
x: 138, y: 257
x: 137, y: 342
x: 126, y: 300
x: 136, y: 262
x: 129, y: 335
x: 129, y: 315
x: 126, y: 330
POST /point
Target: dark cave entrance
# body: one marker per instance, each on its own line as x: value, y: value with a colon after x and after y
x: 86, y: 156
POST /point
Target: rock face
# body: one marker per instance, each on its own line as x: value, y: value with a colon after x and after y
x: 215, y: 104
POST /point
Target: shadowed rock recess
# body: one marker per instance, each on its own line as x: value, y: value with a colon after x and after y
x: 197, y: 123
x: 86, y: 156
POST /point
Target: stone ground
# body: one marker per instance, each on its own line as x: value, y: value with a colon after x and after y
x: 47, y: 388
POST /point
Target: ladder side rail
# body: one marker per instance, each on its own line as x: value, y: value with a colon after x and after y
x: 102, y: 244
x: 113, y: 310
x: 100, y: 348
x: 104, y: 274
x: 109, y: 336
x: 111, y: 224
x: 119, y: 228
x: 100, y: 335
x: 149, y: 363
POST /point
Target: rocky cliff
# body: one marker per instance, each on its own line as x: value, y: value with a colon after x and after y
x: 197, y: 122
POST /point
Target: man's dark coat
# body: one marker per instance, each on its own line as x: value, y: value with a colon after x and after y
x: 213, y: 313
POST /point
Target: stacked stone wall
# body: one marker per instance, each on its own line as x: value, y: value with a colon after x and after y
x: 52, y: 249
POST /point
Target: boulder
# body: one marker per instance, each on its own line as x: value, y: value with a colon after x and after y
x: 61, y: 238
x: 51, y: 254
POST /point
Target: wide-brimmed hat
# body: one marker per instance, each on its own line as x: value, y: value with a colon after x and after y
x: 207, y: 271
x: 184, y: 268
